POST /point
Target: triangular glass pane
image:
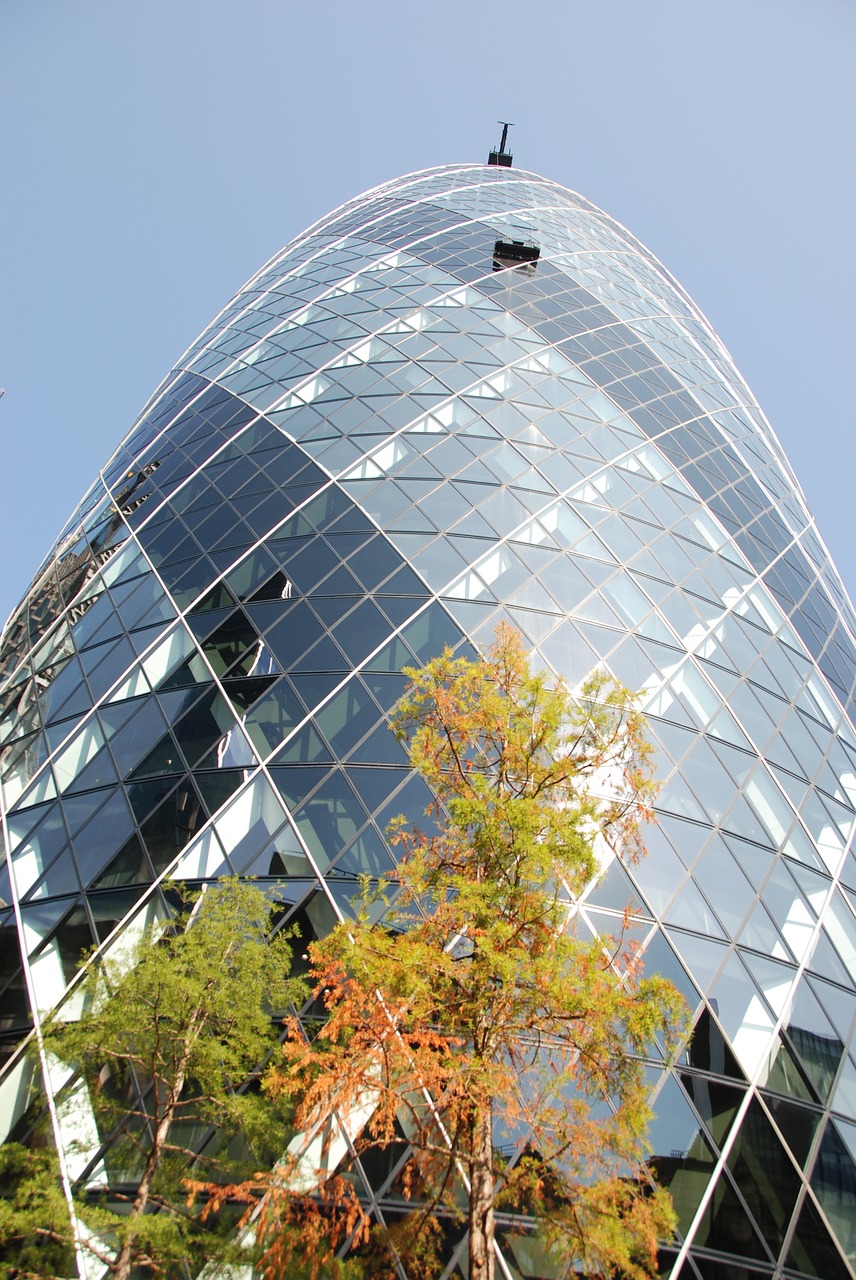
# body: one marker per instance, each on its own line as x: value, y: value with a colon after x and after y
x: 766, y: 1178
x: 716, y: 1103
x: 726, y: 1226
x: 797, y: 1124
x: 682, y: 1158
x: 784, y: 1074
x: 833, y: 1181
x: 813, y: 1037
x: 709, y: 1051
x: 812, y: 1250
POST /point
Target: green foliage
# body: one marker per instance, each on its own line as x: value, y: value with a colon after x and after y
x: 173, y: 1036
x: 35, y: 1233
x: 480, y: 994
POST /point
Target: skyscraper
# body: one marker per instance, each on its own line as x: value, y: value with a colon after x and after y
x: 466, y: 396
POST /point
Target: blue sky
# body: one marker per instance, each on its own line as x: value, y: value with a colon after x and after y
x: 156, y: 152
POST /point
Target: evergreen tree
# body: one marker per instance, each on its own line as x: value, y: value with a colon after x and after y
x: 35, y: 1232
x: 170, y: 1044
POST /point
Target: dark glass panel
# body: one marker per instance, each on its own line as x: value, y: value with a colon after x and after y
x: 819, y: 1053
x: 682, y: 1158
x: 231, y: 475
x: 243, y: 693
x: 708, y: 1050
x: 191, y: 672
x: 275, y: 588
x: 268, y: 513
x: 812, y: 1251
x: 347, y: 717
x: 287, y: 468
x: 148, y: 603
x: 429, y: 634
x: 341, y: 582
x: 131, y: 742
x: 719, y: 1269
x: 273, y: 718
x: 375, y: 785
x: 368, y: 855
x: 834, y: 1183
x: 386, y: 687
x: 101, y: 612
x: 232, y: 639
x: 375, y: 561
x: 204, y: 622
x: 413, y: 800
x: 766, y: 1178
x: 164, y: 758
x: 213, y: 524
x: 294, y: 782
x: 201, y: 728
x: 79, y: 809
x: 362, y: 631
x: 381, y: 747
x: 398, y: 608
x: 329, y: 819
x: 190, y: 580
x: 797, y: 1124
x: 333, y: 507
x: 311, y: 564
x: 306, y: 747
x: 219, y: 597
x: 215, y: 787
x: 171, y: 825
x: 293, y: 634
x: 246, y: 581
x: 391, y: 658
x: 5, y: 889
x: 227, y: 549
x: 113, y: 659
x: 100, y: 772
x: 146, y: 796
x: 266, y: 611
x: 14, y: 1000
x: 323, y: 656
x: 715, y: 1102
x: 100, y: 838
x: 130, y: 866
x: 726, y: 1226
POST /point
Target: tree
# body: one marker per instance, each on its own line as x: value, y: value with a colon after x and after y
x: 172, y: 1039
x: 35, y: 1234
x: 478, y: 1005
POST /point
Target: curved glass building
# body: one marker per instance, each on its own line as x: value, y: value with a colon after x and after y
x: 468, y: 395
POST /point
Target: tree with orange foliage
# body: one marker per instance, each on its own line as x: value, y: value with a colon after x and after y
x: 476, y: 1023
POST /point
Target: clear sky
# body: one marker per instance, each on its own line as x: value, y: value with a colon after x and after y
x: 156, y: 152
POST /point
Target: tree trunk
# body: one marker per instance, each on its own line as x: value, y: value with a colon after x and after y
x: 125, y: 1258
x: 481, y: 1197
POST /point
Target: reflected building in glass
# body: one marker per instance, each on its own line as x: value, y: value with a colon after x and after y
x: 408, y: 426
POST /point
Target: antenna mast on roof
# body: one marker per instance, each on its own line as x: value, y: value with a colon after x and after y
x: 502, y: 157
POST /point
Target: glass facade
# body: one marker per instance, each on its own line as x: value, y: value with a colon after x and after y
x: 389, y: 440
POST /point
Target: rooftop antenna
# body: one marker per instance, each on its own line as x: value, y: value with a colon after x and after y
x: 502, y: 157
